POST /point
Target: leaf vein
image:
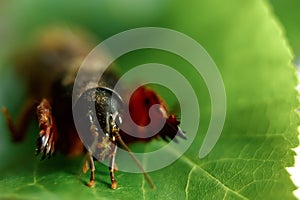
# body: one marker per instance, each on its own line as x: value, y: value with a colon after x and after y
x: 188, y: 183
x: 192, y: 164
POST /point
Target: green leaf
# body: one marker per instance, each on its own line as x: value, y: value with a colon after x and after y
x: 249, y: 159
x: 287, y: 13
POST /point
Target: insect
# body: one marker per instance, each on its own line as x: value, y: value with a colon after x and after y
x: 49, y: 69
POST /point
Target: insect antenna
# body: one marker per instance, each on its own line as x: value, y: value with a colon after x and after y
x: 123, y: 145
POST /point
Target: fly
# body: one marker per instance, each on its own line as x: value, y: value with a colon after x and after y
x: 49, y: 69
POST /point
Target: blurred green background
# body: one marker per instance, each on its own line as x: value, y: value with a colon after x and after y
x: 253, y: 43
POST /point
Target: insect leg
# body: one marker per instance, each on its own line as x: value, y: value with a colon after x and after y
x: 89, y: 161
x: 89, y: 164
x: 18, y: 129
x: 112, y: 167
x: 48, y: 131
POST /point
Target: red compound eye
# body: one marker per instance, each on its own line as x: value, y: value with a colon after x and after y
x: 139, y: 107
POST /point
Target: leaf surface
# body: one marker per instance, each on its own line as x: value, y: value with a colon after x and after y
x: 249, y: 159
